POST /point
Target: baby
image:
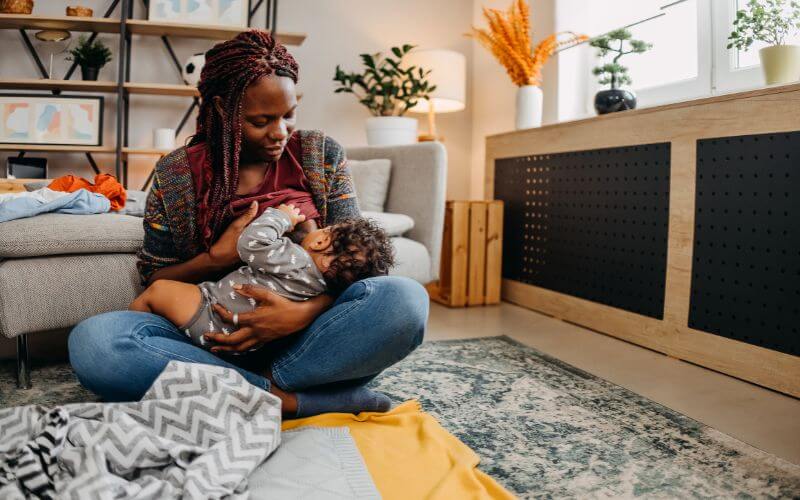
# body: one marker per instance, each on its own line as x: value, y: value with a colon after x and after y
x: 327, y: 260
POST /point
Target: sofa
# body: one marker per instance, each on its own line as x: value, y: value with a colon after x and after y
x: 58, y: 269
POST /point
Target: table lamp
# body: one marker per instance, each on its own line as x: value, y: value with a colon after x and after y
x: 449, y: 73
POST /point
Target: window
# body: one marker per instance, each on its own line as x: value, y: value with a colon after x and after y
x: 689, y: 58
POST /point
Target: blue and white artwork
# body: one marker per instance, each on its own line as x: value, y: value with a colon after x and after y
x: 211, y: 12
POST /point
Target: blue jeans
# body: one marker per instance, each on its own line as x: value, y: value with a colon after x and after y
x: 372, y: 325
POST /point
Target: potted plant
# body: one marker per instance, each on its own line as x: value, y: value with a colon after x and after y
x: 509, y: 40
x: 620, y: 43
x: 91, y: 56
x: 388, y: 90
x: 770, y: 21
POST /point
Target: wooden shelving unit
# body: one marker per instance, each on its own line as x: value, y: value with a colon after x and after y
x: 85, y: 24
x: 125, y: 26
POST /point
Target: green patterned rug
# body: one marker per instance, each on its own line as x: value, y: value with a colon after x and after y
x: 544, y: 428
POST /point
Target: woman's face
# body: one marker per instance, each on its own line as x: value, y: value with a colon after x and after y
x: 268, y: 118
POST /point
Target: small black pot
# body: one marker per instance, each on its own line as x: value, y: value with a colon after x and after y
x: 613, y: 100
x: 89, y: 73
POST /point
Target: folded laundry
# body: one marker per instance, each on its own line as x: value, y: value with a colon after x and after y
x: 104, y: 184
x: 27, y: 204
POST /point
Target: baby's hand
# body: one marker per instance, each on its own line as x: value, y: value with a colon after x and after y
x: 293, y: 213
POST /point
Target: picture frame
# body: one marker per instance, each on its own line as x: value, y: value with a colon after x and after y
x: 203, y: 12
x: 51, y: 120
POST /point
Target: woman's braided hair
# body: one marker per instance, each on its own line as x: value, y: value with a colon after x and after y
x: 361, y: 250
x: 230, y: 68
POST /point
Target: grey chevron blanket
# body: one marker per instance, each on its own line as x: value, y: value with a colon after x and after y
x: 198, y: 433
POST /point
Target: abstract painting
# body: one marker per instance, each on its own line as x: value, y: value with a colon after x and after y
x: 53, y: 120
x: 212, y: 12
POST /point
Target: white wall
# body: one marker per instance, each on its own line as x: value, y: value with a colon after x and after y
x: 337, y: 32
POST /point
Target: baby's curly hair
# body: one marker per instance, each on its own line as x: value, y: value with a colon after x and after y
x: 362, y: 250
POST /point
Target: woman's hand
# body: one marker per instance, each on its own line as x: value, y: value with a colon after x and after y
x: 223, y: 252
x: 274, y: 317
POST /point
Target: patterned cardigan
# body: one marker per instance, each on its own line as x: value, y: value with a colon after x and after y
x: 171, y: 235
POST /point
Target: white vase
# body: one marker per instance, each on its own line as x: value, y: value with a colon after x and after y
x: 529, y: 107
x: 780, y: 63
x: 391, y: 130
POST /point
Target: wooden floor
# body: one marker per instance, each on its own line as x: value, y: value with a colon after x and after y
x: 760, y: 417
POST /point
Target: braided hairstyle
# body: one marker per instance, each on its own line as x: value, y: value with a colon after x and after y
x: 230, y: 68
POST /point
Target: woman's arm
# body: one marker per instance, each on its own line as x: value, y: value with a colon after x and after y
x: 342, y: 203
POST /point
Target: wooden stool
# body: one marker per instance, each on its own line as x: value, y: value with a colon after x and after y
x: 472, y: 254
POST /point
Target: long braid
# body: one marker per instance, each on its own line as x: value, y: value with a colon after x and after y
x: 230, y: 68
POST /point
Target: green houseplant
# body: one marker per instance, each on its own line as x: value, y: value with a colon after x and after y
x: 770, y: 22
x: 388, y: 89
x: 619, y: 43
x: 90, y: 56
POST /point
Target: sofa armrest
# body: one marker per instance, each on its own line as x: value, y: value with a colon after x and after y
x: 417, y: 189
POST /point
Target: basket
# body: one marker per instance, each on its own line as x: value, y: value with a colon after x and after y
x: 79, y: 11
x: 16, y: 6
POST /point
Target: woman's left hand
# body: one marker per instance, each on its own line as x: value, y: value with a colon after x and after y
x: 275, y: 317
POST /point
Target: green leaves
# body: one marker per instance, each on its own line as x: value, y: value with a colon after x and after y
x: 768, y: 21
x: 619, y: 42
x: 385, y: 87
x: 90, y: 54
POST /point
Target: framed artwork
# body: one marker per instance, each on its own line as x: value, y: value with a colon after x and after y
x: 212, y: 12
x: 51, y: 120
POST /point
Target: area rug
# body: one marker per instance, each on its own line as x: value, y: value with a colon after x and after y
x: 542, y: 427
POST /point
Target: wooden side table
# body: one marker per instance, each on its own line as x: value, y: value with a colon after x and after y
x: 472, y: 254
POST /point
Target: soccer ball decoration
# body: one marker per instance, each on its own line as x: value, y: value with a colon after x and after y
x: 192, y: 68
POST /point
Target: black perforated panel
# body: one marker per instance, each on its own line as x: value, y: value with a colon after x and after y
x: 592, y: 224
x: 746, y: 270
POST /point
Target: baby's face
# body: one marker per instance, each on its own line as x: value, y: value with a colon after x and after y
x: 318, y: 245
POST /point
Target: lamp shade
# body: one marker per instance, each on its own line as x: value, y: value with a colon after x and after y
x: 449, y: 74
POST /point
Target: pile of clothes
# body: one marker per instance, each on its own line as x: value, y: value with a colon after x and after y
x: 71, y: 194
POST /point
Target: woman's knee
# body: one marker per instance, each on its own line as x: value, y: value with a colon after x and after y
x: 403, y: 305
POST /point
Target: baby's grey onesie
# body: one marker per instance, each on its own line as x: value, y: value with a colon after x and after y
x: 272, y: 261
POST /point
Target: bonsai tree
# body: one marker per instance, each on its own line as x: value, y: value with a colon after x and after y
x: 91, y: 56
x: 620, y: 43
x: 385, y: 87
x: 768, y: 21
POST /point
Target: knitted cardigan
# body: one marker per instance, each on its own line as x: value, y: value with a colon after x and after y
x: 171, y: 235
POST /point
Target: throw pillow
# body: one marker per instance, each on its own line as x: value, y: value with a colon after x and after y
x: 393, y: 224
x: 371, y: 182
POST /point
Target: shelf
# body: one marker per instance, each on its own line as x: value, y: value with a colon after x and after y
x: 46, y: 148
x: 162, y: 89
x: 69, y: 23
x: 145, y: 151
x: 158, y: 28
x: 49, y: 84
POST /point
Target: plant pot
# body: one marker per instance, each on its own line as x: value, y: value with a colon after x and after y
x: 780, y: 63
x: 391, y: 130
x: 529, y: 107
x: 89, y: 73
x: 613, y: 100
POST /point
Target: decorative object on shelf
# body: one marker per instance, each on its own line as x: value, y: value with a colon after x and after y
x: 620, y: 43
x: 213, y: 12
x: 16, y: 6
x: 192, y: 68
x: 164, y: 138
x: 472, y: 254
x: 509, y: 40
x: 448, y: 75
x: 26, y: 168
x: 91, y: 56
x: 388, y: 90
x: 770, y: 22
x: 79, y: 11
x: 53, y: 42
x: 51, y: 120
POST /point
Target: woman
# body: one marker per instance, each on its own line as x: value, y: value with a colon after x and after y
x: 321, y: 352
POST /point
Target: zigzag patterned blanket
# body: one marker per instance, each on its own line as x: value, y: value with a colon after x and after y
x: 198, y: 433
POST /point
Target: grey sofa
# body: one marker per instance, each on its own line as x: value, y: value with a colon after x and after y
x: 56, y: 269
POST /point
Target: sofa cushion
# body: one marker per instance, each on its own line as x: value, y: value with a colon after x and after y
x: 45, y: 293
x: 393, y: 224
x: 371, y: 182
x: 51, y: 234
x: 412, y: 260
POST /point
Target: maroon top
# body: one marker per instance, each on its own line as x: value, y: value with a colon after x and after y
x: 284, y: 183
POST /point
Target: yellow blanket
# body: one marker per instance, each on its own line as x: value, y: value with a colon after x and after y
x: 410, y: 455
